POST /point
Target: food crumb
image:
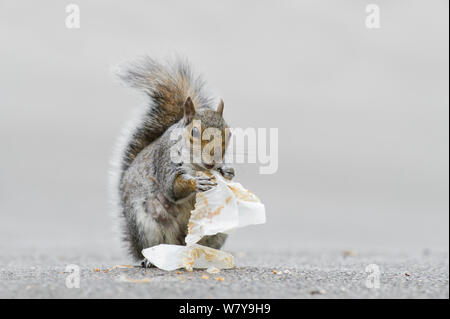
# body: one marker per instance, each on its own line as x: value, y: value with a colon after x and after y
x: 121, y: 266
x: 205, y: 277
x: 349, y: 253
x: 213, y: 270
x: 220, y: 279
x: 139, y: 281
x: 275, y: 272
x: 97, y: 269
x: 135, y: 281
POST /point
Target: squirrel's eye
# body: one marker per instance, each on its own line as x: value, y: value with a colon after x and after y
x: 195, y: 132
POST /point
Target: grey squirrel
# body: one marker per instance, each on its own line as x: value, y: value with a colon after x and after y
x: 156, y: 194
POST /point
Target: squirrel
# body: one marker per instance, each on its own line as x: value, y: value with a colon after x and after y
x: 155, y: 194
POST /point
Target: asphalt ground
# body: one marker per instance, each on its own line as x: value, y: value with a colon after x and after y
x: 302, y: 274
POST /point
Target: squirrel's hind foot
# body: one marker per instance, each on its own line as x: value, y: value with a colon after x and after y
x: 146, y: 264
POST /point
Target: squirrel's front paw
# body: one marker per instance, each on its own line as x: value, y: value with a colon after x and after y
x: 227, y: 172
x: 204, y: 183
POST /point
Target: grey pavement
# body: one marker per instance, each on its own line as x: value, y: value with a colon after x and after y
x: 336, y: 274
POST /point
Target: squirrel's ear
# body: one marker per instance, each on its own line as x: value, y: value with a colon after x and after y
x: 220, y: 107
x: 189, y: 110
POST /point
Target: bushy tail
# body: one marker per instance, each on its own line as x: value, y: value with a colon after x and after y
x: 168, y: 85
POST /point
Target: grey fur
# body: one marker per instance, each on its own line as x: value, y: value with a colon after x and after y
x: 151, y: 212
x: 167, y: 86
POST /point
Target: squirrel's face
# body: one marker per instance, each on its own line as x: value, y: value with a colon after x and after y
x: 207, y: 135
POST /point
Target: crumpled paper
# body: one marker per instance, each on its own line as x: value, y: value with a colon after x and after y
x: 220, y: 210
x: 171, y: 257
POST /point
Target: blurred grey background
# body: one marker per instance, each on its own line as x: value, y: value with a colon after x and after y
x: 362, y: 116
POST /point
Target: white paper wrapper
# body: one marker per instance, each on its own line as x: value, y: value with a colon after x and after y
x: 171, y: 257
x: 220, y: 210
